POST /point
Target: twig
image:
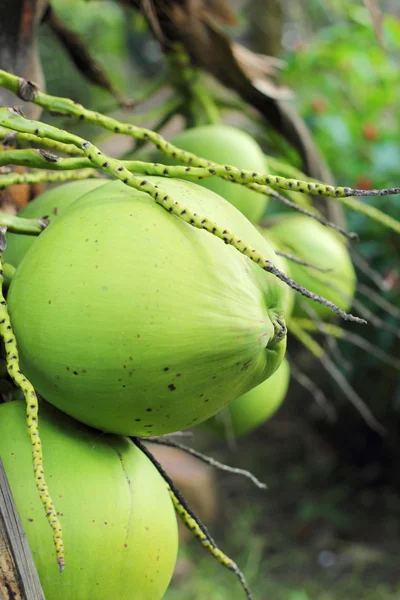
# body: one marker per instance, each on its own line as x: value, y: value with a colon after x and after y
x: 365, y: 268
x: 208, y: 460
x: 390, y: 308
x: 45, y: 176
x: 318, y: 395
x: 312, y: 215
x: 330, y: 339
x: 193, y: 523
x: 317, y: 351
x: 352, y: 338
x: 300, y: 261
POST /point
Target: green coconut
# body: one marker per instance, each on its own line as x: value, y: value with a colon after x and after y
x: 134, y: 322
x: 254, y: 408
x: 118, y: 520
x: 310, y: 241
x: 50, y: 204
x: 226, y: 145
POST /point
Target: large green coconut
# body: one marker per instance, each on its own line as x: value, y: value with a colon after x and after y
x: 226, y: 145
x: 50, y: 204
x: 246, y: 413
x: 134, y: 322
x: 310, y: 241
x: 118, y: 520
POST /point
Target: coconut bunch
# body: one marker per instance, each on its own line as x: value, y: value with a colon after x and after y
x: 143, y: 298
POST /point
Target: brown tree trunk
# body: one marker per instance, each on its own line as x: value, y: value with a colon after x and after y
x: 266, y: 21
x: 19, y: 23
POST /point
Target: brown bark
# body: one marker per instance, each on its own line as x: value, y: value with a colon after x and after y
x: 19, y: 23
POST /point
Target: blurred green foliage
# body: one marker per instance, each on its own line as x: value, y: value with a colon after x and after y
x: 347, y: 90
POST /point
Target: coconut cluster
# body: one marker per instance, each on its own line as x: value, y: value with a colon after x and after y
x: 130, y: 322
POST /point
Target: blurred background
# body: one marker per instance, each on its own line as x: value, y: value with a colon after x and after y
x: 328, y: 526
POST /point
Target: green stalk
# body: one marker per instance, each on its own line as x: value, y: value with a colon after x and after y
x: 13, y: 120
x: 28, y: 92
x: 10, y: 138
x: 45, y: 176
x: 20, y: 225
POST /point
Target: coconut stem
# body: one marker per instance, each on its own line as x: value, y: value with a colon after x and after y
x: 13, y: 368
x: 304, y: 263
x: 316, y: 350
x: 161, y: 441
x: 28, y: 91
x: 10, y: 138
x: 308, y: 384
x: 13, y: 120
x: 351, y: 338
x: 20, y: 225
x: 10, y: 179
x: 193, y: 523
x: 42, y: 159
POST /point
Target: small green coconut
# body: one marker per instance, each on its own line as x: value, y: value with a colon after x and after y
x: 134, y: 322
x: 51, y: 204
x: 310, y: 241
x: 254, y: 408
x: 118, y: 520
x: 226, y: 145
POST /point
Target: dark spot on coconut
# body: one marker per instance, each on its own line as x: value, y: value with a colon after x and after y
x: 130, y: 358
x: 138, y: 335
x: 172, y: 387
x: 30, y: 520
x: 149, y: 409
x: 49, y: 301
x: 105, y: 523
x: 84, y: 371
x: 124, y: 366
x: 166, y: 368
x: 125, y: 545
x: 76, y: 373
x: 137, y: 420
x: 207, y: 400
x: 178, y: 374
x: 68, y: 369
